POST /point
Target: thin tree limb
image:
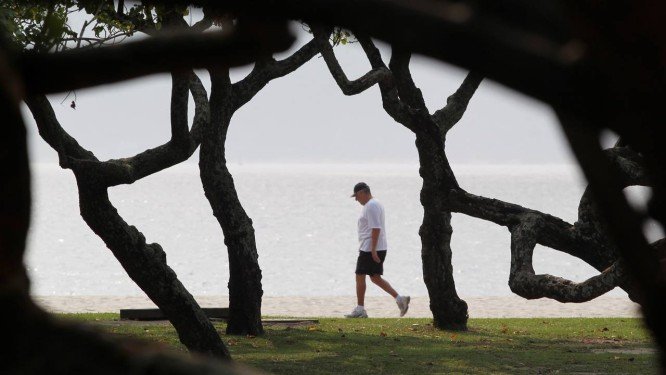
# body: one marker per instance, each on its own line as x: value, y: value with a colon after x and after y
x: 456, y: 104
x: 267, y: 69
x: 479, y: 36
x: 348, y: 87
x: 391, y: 102
x: 409, y: 93
x: 52, y: 132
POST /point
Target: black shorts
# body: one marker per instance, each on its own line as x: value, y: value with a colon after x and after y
x: 365, y: 265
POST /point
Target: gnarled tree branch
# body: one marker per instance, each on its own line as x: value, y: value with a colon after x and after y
x: 586, y: 239
x: 144, y: 263
x: 348, y: 87
x: 267, y: 69
x: 128, y: 170
x: 524, y: 282
x: 391, y: 102
x: 456, y: 104
x: 409, y: 93
x: 52, y: 132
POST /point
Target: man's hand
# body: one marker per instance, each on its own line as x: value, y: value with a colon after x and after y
x: 374, y: 236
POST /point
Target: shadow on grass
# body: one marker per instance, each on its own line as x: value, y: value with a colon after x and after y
x: 413, y: 346
x: 374, y: 347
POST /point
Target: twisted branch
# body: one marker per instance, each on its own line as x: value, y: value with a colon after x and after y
x: 348, y: 87
x: 113, y: 172
x: 524, y: 282
x: 456, y: 104
x: 585, y: 239
x: 267, y: 69
x: 409, y: 93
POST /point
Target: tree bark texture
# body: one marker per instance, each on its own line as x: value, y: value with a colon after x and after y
x: 448, y: 310
x: 145, y: 263
x: 245, y: 289
x: 587, y: 239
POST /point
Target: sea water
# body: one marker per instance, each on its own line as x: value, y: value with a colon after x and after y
x: 305, y: 227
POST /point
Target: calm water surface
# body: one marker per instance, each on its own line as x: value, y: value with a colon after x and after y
x: 305, y: 225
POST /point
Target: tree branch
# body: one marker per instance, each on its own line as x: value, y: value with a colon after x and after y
x: 555, y: 233
x: 180, y: 132
x: 538, y: 40
x: 623, y: 222
x: 348, y: 87
x: 586, y: 240
x: 524, y: 282
x: 409, y: 93
x: 456, y: 104
x: 127, y: 170
x: 52, y: 132
x: 201, y: 107
x: 391, y: 102
x: 267, y: 69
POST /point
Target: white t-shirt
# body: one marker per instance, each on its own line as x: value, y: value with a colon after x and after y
x: 372, y: 216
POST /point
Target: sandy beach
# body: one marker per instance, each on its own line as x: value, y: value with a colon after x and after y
x: 479, y: 307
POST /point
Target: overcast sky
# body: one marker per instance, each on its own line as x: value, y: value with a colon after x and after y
x: 304, y: 117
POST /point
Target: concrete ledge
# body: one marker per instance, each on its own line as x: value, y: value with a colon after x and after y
x: 157, y: 314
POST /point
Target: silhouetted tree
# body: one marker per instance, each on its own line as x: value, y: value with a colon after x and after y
x: 587, y: 239
x: 226, y: 98
x: 213, y: 120
x: 144, y: 263
x: 403, y: 101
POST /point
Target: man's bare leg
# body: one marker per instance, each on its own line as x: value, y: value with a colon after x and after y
x: 377, y: 279
x: 360, y: 290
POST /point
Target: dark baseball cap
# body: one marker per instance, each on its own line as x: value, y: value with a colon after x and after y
x: 360, y: 186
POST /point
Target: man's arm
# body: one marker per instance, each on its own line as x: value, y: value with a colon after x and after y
x: 373, y: 244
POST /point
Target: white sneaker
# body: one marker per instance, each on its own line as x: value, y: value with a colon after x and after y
x: 403, y: 304
x: 357, y: 313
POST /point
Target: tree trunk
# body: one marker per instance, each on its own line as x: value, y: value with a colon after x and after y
x: 146, y: 265
x: 448, y: 310
x: 245, y: 289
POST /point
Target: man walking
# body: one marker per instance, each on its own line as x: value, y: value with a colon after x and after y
x: 372, y: 251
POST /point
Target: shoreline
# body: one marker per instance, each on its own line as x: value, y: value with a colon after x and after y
x: 378, y: 307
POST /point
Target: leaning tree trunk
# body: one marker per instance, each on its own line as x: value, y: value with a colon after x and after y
x: 38, y: 344
x: 448, y: 310
x: 146, y: 265
x: 245, y: 289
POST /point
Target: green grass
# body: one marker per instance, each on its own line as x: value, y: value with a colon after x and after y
x: 413, y: 346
